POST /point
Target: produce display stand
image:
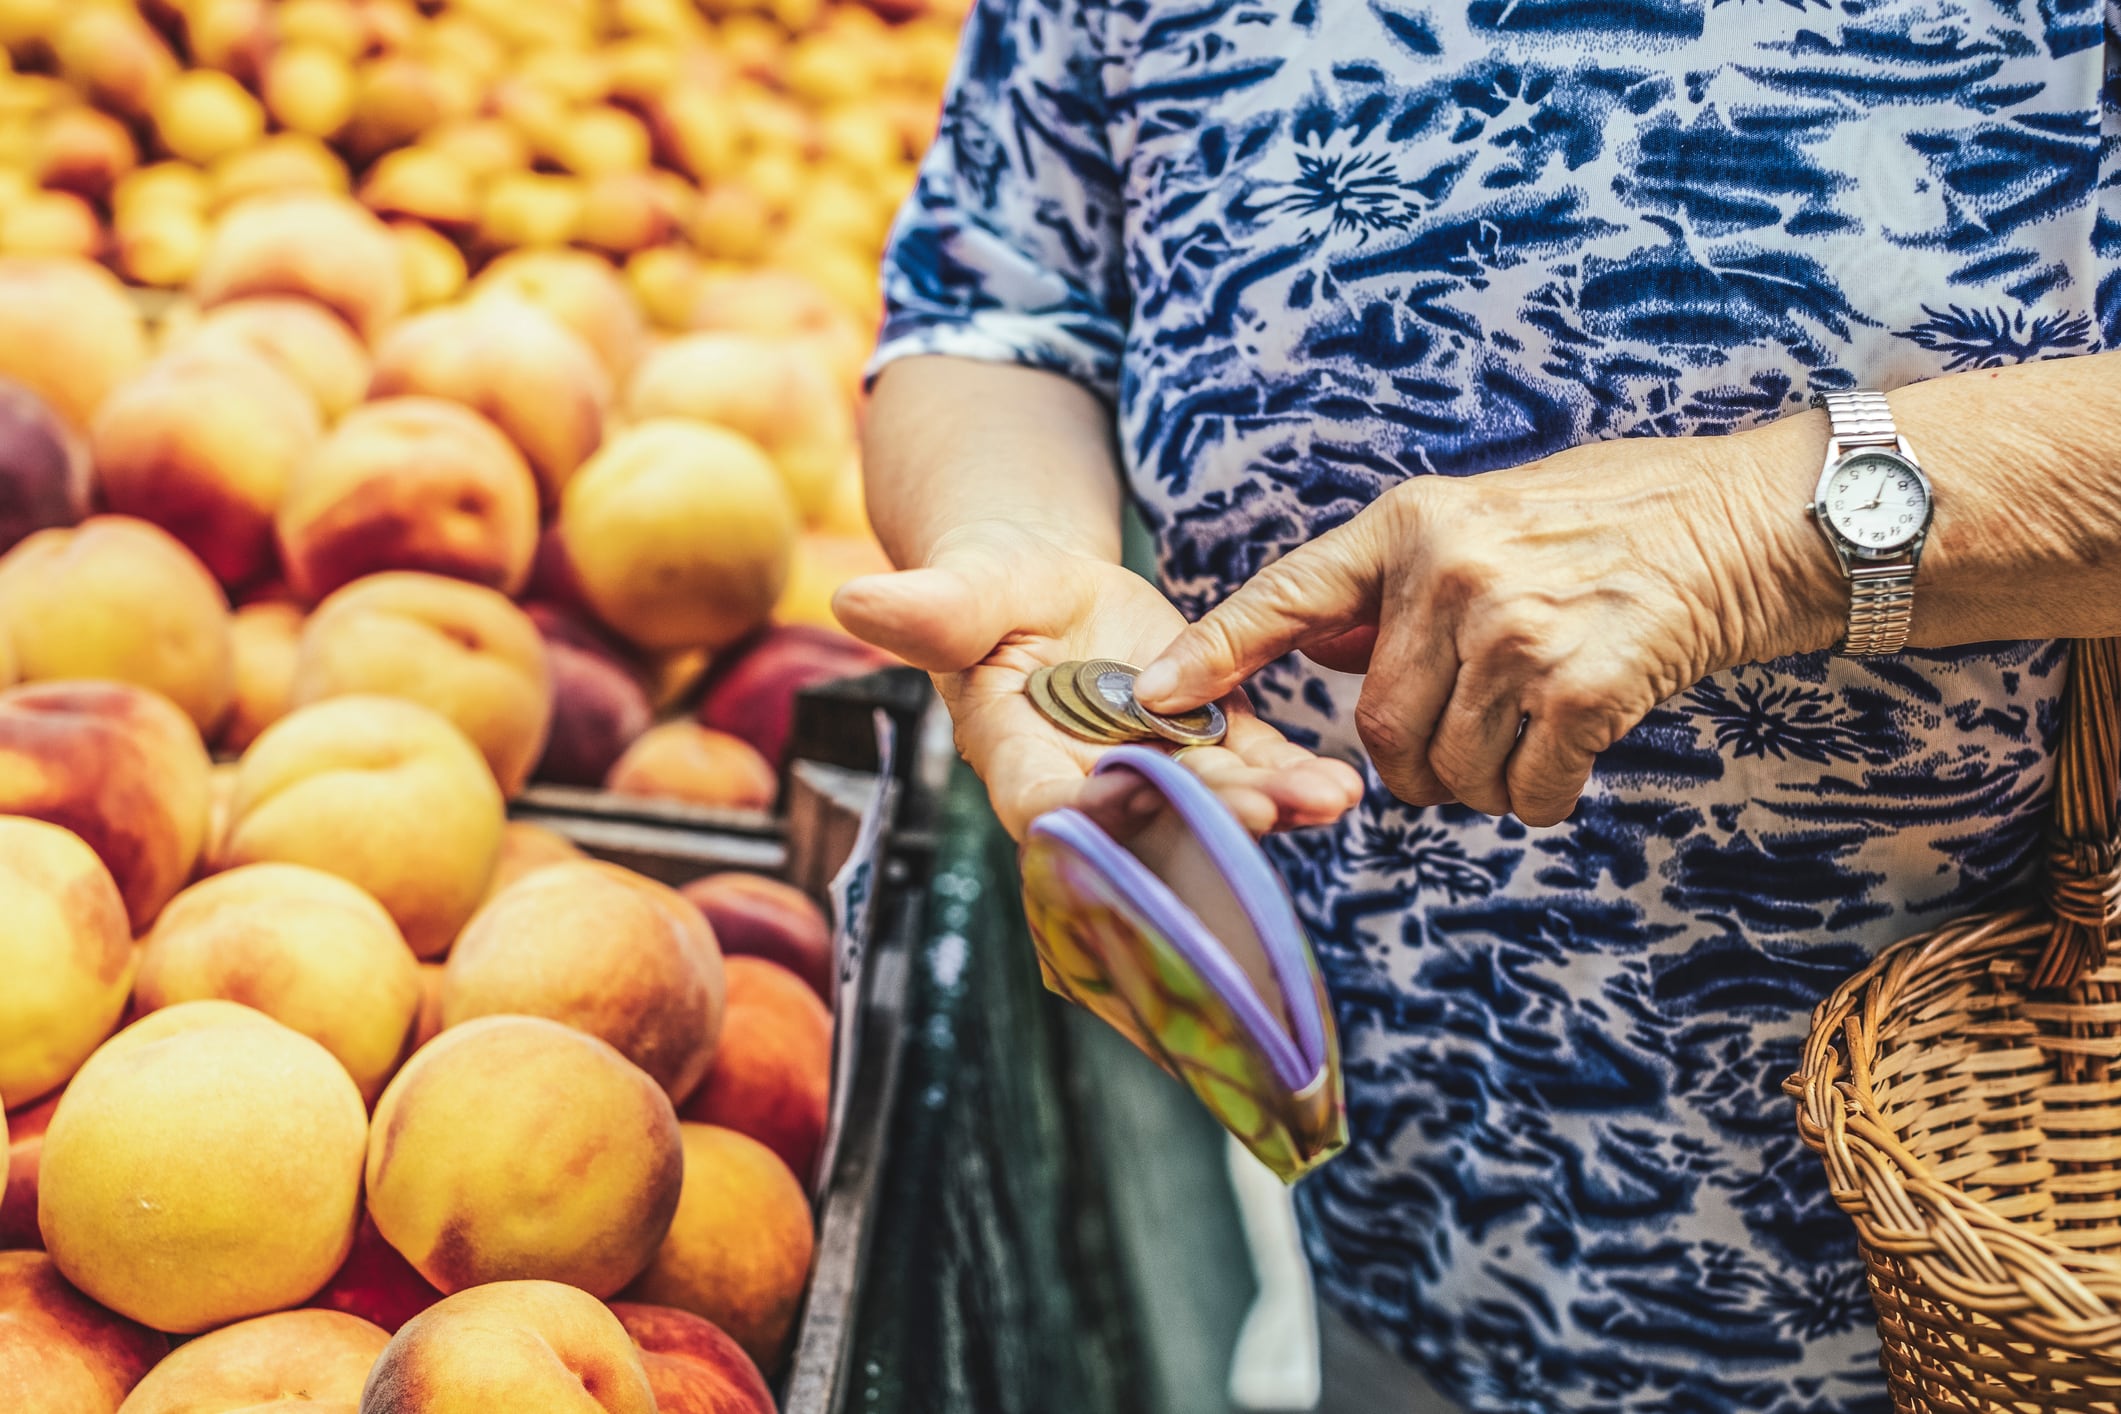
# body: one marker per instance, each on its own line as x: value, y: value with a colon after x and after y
x: 832, y: 780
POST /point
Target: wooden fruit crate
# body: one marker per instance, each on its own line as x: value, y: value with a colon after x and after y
x: 824, y: 802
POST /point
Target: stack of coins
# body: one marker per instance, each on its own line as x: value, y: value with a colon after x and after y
x: 1095, y: 701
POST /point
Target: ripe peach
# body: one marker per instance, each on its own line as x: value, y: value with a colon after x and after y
x: 398, y: 97
x: 305, y: 340
x: 329, y: 248
x: 486, y: 147
x: 754, y: 916
x: 692, y: 1364
x: 375, y: 1283
x: 113, y: 58
x: 679, y: 534
x: 280, y: 1361
x: 45, y: 477
x: 730, y: 221
x: 516, y: 1345
x: 162, y: 184
x: 203, y: 443
x: 68, y: 332
x: 50, y: 223
x: 692, y: 132
x: 751, y: 693
x: 461, y: 649
x: 309, y: 89
x: 428, y: 1024
x: 579, y: 290
x: 304, y: 947
x: 772, y: 390
x: 67, y: 953
x: 233, y: 36
x: 61, y: 1353
x: 515, y: 364
x: 624, y: 212
x: 383, y: 793
x: 425, y: 185
x: 529, y: 209
x: 118, y: 598
x: 410, y: 484
x: 665, y: 282
x: 434, y: 267
x: 688, y: 762
x: 772, y: 1076
x: 739, y: 1248
x: 82, y: 151
x: 264, y: 637
x: 603, y: 950
x: 598, y: 704
x: 781, y: 302
x: 204, y: 1166
x: 204, y: 114
x: 284, y: 164
x: 160, y: 247
x: 335, y: 26
x: 514, y: 1146
x: 24, y: 1130
x: 527, y: 848
x: 823, y: 563
x: 120, y: 767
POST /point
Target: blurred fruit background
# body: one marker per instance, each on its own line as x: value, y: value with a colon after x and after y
x: 402, y: 404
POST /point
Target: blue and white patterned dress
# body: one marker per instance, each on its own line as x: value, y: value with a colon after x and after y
x: 1307, y: 248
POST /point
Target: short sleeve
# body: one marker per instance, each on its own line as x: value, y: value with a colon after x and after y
x: 1009, y: 247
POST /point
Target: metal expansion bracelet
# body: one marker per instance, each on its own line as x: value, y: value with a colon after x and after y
x: 1881, y: 597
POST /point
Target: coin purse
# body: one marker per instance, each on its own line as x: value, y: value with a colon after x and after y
x: 1184, y: 941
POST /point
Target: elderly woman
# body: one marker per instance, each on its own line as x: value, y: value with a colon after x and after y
x: 1472, y: 349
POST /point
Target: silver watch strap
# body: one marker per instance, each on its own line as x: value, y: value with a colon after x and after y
x: 1881, y: 596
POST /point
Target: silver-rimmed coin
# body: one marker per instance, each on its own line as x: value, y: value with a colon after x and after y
x: 1203, y: 726
x: 1107, y: 688
x: 1039, y: 687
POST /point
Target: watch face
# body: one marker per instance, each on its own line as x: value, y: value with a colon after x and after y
x: 1877, y: 501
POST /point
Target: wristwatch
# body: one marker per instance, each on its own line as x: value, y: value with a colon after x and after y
x: 1874, y: 506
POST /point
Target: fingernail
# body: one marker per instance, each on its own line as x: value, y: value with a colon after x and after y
x: 1157, y: 682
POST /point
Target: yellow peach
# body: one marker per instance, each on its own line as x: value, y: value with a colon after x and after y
x: 67, y: 952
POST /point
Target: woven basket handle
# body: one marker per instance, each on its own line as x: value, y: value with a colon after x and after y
x: 2083, y: 883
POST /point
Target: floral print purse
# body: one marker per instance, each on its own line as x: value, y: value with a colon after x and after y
x: 1183, y: 939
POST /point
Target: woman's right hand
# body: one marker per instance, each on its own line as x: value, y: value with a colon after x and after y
x: 996, y: 602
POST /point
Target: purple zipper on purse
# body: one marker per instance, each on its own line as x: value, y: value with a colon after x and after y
x: 1253, y: 883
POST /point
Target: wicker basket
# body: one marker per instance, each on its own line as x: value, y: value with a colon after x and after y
x: 1964, y: 1091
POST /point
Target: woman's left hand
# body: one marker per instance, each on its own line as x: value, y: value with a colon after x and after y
x: 1516, y: 624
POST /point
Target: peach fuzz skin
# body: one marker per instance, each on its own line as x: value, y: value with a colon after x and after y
x: 511, y: 1345
x: 383, y: 793
x: 60, y: 1351
x: 300, y: 1362
x: 475, y: 1176
x: 203, y: 1166
x: 119, y: 766
x: 604, y: 950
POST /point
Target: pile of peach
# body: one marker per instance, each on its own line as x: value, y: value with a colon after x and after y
x: 379, y: 1095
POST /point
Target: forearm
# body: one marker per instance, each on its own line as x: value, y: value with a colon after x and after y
x: 953, y: 443
x: 2026, y: 462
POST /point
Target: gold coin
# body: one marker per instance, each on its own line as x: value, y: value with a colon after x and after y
x: 1063, y: 684
x: 1039, y: 688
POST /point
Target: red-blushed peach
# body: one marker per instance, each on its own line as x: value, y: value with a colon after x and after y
x: 754, y: 916
x: 61, y: 1353
x: 68, y: 332
x: 515, y: 364
x: 82, y: 151
x: 772, y: 1074
x: 739, y: 1248
x: 25, y: 1149
x: 772, y: 390
x: 119, y: 766
x: 307, y: 948
x: 119, y: 599
x: 67, y: 954
x: 307, y: 341
x: 203, y: 443
x: 46, y: 477
x: 410, y: 484
x: 580, y: 290
x: 513, y: 1146
x: 382, y: 792
x: 751, y: 691
x: 601, y: 949
x: 265, y: 637
x: 679, y: 534
x: 598, y: 703
x: 375, y: 1283
x: 461, y: 649
x: 783, y: 303
x: 204, y: 1166
x: 511, y: 1345
x: 289, y: 1360
x: 692, y: 1364
x: 688, y: 762
x: 329, y: 248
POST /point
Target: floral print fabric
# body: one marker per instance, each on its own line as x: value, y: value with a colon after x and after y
x: 1307, y: 248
